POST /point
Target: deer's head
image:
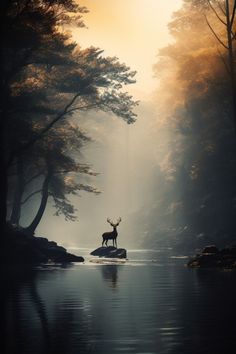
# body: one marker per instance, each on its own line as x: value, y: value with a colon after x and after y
x: 114, y: 224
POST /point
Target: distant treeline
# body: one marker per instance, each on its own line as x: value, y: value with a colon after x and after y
x: 196, y: 102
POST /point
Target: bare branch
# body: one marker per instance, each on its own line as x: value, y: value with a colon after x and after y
x: 30, y: 196
x: 233, y: 16
x: 78, y: 171
x: 216, y: 36
x: 43, y: 131
x: 216, y: 13
x: 221, y: 8
x: 52, y: 123
x: 77, y: 108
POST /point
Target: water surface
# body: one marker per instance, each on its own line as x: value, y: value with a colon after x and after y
x: 151, y: 304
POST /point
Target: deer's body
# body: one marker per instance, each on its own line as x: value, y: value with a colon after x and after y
x: 111, y: 235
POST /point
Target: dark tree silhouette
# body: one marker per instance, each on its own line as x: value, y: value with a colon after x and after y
x: 224, y: 12
x: 45, y: 79
x: 195, y: 103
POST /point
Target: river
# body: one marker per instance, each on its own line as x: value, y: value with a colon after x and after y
x: 152, y: 304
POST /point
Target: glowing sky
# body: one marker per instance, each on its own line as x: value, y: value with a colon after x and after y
x: 132, y: 30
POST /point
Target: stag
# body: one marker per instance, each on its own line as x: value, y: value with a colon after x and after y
x: 111, y: 235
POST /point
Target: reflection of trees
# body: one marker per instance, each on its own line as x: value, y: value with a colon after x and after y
x: 67, y: 323
x: 110, y: 274
x: 13, y: 282
x: 41, y: 312
x: 39, y: 330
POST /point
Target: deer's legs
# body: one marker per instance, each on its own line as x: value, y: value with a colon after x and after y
x: 103, y: 240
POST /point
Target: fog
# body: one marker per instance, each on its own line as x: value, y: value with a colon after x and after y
x: 124, y: 156
x: 130, y: 159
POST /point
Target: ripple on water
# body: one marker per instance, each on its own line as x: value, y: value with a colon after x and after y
x: 142, y: 306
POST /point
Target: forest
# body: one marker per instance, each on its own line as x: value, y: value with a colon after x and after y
x: 45, y: 79
x: 48, y: 80
x: 117, y: 176
x: 196, y: 103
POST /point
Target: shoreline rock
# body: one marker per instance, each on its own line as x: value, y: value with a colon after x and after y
x: 20, y: 248
x: 110, y: 252
x: 212, y: 257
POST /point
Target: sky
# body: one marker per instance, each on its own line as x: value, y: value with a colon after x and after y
x: 132, y: 30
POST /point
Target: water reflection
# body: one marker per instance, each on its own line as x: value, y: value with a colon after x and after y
x: 39, y: 308
x: 18, y: 284
x: 29, y: 324
x: 110, y: 274
x: 99, y: 309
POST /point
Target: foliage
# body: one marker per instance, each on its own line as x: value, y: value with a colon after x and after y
x: 195, y: 103
x: 45, y: 79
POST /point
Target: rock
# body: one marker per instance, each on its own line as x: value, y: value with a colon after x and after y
x: 212, y: 249
x: 204, y: 260
x: 110, y: 252
x: 65, y: 258
x: 21, y: 248
x: 211, y: 256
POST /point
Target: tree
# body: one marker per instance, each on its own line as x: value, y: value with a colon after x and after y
x: 194, y: 102
x: 225, y: 14
x: 52, y: 80
x: 58, y: 152
x: 96, y: 89
x: 25, y: 26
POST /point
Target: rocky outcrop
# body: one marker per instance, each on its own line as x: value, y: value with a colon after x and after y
x: 211, y: 249
x: 110, y: 252
x: 211, y: 256
x: 21, y: 248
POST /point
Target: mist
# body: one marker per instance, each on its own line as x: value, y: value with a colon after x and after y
x: 131, y: 160
x: 125, y: 160
x: 161, y: 173
x: 118, y: 127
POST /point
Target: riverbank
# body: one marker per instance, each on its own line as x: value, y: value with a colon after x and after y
x: 211, y: 256
x: 18, y: 247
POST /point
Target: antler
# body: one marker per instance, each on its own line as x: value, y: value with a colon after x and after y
x: 109, y: 221
x: 112, y: 223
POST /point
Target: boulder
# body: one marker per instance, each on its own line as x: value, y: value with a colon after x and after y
x: 211, y: 256
x: 110, y: 252
x: 204, y: 260
x: 21, y: 248
x: 66, y: 258
x: 211, y: 249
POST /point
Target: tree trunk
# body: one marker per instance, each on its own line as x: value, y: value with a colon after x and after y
x: 3, y: 165
x: 32, y: 227
x: 19, y: 190
x: 231, y: 61
x: 3, y: 159
x: 3, y: 192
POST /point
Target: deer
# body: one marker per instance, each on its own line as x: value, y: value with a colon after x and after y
x: 111, y: 235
